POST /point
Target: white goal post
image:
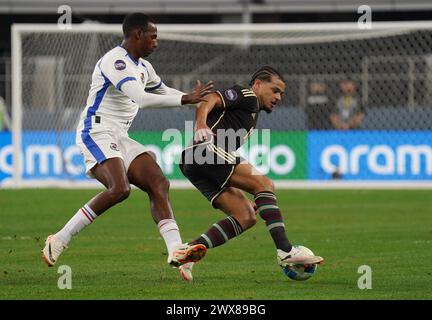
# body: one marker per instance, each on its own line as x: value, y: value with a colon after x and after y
x: 50, y: 80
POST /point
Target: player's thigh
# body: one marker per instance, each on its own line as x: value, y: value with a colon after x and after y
x: 111, y: 173
x: 249, y: 179
x: 145, y: 173
x: 132, y: 150
x: 233, y: 202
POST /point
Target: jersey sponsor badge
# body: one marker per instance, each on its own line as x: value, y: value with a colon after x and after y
x: 120, y: 65
x: 231, y: 94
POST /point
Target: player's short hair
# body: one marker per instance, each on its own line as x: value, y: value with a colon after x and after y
x: 135, y: 20
x: 264, y: 74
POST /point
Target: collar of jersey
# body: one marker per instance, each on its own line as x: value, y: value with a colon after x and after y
x: 127, y: 53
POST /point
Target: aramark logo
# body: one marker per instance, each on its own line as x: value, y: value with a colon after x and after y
x: 382, y: 160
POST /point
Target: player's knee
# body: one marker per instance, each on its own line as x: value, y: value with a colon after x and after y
x: 119, y: 193
x: 123, y: 193
x: 264, y: 184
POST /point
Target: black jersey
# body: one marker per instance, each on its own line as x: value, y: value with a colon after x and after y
x: 233, y: 124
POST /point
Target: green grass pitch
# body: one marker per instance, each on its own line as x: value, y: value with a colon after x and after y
x: 122, y: 256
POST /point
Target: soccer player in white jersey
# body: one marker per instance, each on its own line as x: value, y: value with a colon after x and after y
x: 123, y: 82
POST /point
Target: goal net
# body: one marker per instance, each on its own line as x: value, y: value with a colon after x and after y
x: 383, y: 73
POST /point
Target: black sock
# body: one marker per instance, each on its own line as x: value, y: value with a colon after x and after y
x: 219, y: 233
x: 270, y: 213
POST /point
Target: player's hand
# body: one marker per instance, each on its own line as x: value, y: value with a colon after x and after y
x: 203, y: 134
x: 198, y: 92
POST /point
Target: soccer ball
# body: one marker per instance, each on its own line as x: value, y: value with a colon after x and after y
x: 300, y: 272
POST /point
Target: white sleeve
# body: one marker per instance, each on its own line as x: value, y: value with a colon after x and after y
x: 164, y: 89
x: 149, y: 100
x: 117, y: 70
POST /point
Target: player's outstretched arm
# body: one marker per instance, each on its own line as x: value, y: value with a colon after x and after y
x: 164, y: 89
x: 149, y: 100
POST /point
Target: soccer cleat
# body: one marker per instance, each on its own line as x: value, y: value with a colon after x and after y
x: 296, y: 256
x: 186, y: 271
x: 52, y: 250
x: 185, y: 253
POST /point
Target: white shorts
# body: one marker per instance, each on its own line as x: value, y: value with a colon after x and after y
x: 101, y: 143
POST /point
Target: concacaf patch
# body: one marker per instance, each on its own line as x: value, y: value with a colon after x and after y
x: 120, y: 65
x: 231, y: 94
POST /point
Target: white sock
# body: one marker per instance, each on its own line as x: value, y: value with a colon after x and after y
x: 170, y: 233
x: 79, y: 221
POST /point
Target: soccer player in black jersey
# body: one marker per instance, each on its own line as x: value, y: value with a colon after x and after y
x: 224, y: 121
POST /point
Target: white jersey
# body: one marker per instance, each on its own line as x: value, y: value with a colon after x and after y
x: 120, y: 85
x: 108, y: 98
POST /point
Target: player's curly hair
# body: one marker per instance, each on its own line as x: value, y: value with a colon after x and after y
x: 265, y: 73
x: 135, y: 20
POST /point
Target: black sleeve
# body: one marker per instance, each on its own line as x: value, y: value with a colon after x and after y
x: 238, y: 97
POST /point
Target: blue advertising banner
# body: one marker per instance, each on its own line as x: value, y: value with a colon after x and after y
x: 46, y: 154
x: 326, y: 155
x: 369, y: 155
x: 53, y: 155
